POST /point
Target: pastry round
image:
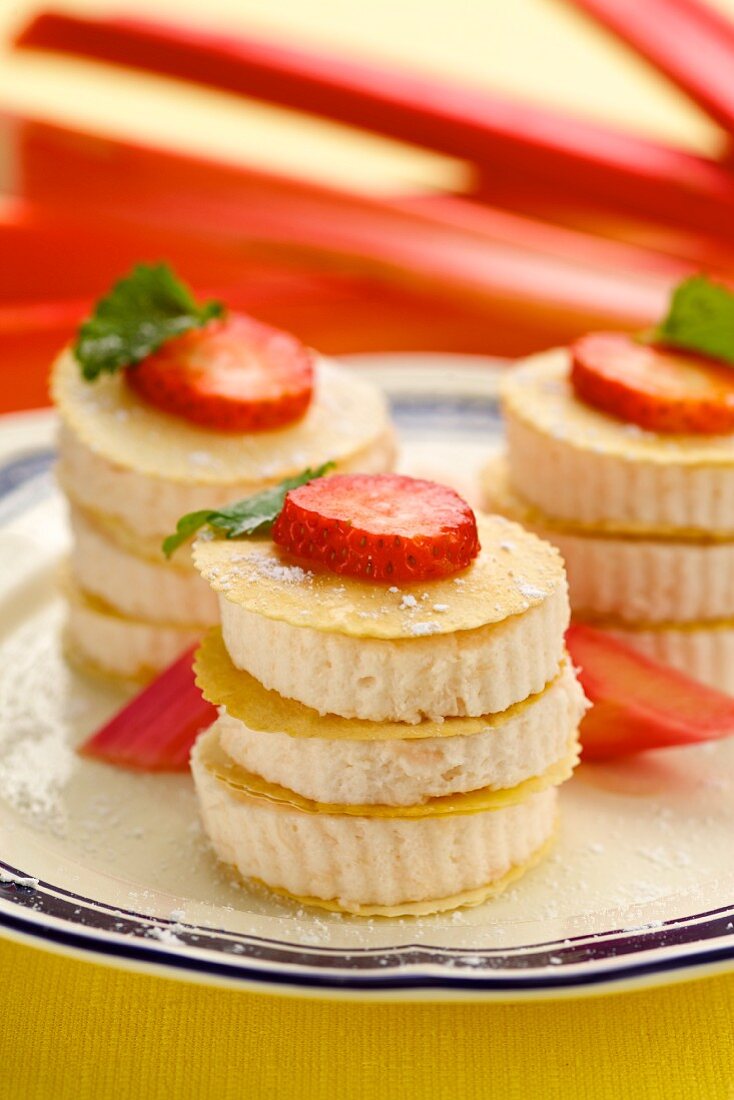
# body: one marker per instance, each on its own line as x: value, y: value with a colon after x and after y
x: 514, y: 573
x: 339, y: 760
x: 577, y: 463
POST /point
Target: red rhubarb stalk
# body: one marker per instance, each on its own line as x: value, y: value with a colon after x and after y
x: 579, y: 157
x: 55, y: 162
x: 593, y: 219
x: 280, y: 217
x: 156, y: 730
x: 639, y: 704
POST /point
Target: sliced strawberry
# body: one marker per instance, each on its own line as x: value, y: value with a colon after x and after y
x: 658, y: 389
x: 379, y: 527
x: 156, y: 730
x: 639, y: 704
x: 233, y: 375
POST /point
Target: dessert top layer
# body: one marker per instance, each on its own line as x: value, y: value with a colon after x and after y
x: 540, y: 394
x: 345, y: 415
x: 513, y: 572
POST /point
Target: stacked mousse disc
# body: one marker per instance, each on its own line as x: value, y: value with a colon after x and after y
x: 386, y: 749
x: 644, y: 521
x: 130, y: 472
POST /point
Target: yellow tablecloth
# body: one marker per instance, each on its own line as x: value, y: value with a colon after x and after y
x: 71, y: 1029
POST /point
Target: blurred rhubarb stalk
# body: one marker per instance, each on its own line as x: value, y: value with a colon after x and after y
x: 346, y: 271
x: 581, y: 160
x: 471, y: 256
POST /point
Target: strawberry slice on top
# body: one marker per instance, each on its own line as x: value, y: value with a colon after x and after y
x: 379, y: 527
x: 659, y: 389
x: 235, y: 374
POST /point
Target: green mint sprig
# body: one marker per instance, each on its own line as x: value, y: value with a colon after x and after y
x: 700, y: 319
x: 142, y: 311
x: 253, y: 516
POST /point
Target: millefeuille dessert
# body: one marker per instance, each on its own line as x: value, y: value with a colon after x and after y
x: 397, y: 709
x: 168, y: 407
x: 621, y: 452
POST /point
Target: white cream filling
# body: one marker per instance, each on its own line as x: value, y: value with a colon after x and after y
x: 408, y: 772
x: 135, y: 586
x: 123, y: 647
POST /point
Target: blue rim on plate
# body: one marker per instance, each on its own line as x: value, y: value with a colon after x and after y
x: 52, y: 916
x: 83, y: 925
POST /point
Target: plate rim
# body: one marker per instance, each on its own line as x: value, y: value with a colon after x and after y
x: 126, y: 950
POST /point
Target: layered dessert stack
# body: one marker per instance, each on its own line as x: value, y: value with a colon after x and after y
x: 397, y: 709
x: 168, y: 407
x: 621, y: 452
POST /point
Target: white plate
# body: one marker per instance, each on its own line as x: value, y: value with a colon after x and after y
x: 638, y: 889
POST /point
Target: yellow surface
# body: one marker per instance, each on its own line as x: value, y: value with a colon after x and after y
x: 265, y: 711
x: 106, y: 1034
x: 251, y: 787
x: 499, y: 583
x: 71, y: 1030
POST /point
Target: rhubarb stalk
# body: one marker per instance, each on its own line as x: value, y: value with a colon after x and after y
x: 577, y: 157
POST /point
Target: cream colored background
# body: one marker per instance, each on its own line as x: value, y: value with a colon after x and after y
x: 541, y: 49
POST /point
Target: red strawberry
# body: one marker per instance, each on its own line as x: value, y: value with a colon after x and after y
x: 233, y: 375
x: 639, y: 704
x: 379, y: 527
x: 659, y: 389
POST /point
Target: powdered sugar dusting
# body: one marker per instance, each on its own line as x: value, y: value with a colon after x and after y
x: 203, y: 460
x: 278, y: 571
x: 531, y: 591
x: 164, y: 935
x: 35, y: 760
x: 17, y: 880
x: 422, y: 629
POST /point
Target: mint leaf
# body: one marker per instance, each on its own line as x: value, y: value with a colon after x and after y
x: 140, y: 313
x: 186, y: 527
x: 253, y: 516
x: 700, y: 318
